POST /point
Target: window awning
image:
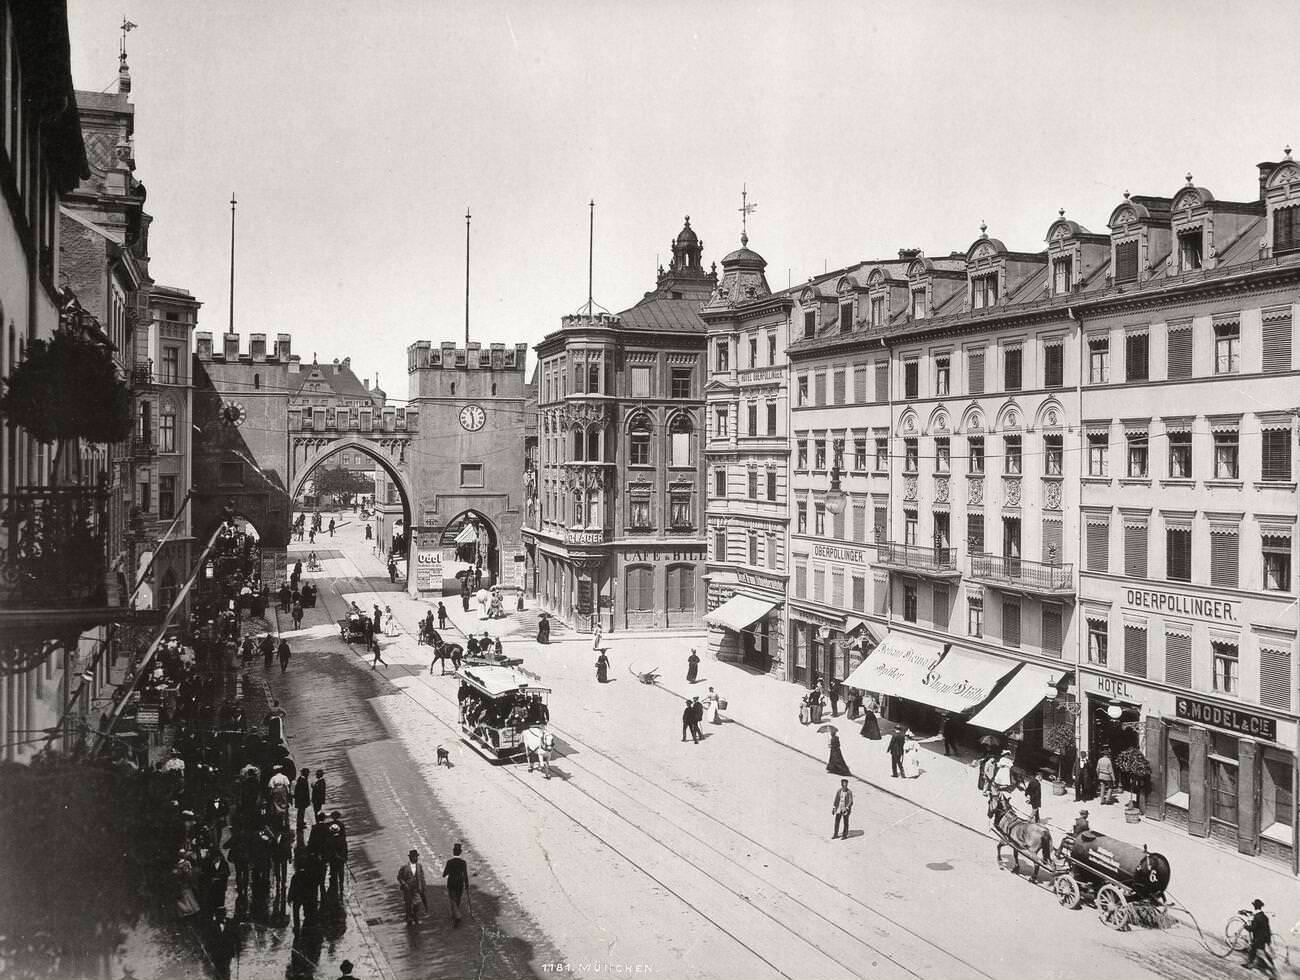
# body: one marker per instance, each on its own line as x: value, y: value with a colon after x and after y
x: 963, y: 679
x: 467, y: 535
x: 1021, y: 695
x: 739, y: 612
x: 897, y: 666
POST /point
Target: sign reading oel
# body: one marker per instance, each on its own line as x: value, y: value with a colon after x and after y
x: 428, y: 562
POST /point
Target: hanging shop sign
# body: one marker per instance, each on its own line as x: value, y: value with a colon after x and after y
x: 1229, y: 719
x: 1225, y: 612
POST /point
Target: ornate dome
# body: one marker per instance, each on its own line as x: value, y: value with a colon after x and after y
x: 687, y: 236
x: 744, y: 258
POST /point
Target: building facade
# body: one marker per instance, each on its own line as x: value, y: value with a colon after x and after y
x: 747, y: 466
x: 619, y: 534
x: 1189, y: 418
x: 466, y: 463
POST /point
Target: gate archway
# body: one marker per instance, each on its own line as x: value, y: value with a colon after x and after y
x: 485, y: 545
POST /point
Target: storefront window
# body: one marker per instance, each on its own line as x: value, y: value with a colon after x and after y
x: 1223, y: 778
x: 640, y: 589
x: 1178, y: 772
x: 1277, y: 802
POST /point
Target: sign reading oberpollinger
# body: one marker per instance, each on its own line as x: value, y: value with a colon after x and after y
x: 1226, y: 612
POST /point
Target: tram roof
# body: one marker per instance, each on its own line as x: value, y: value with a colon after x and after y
x: 498, y: 681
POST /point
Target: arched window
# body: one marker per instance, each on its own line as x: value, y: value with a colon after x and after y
x: 257, y: 381
x: 638, y: 452
x: 578, y: 445
x: 679, y: 439
x: 640, y: 588
x: 577, y: 508
x: 453, y: 389
x: 494, y: 387
x: 593, y: 444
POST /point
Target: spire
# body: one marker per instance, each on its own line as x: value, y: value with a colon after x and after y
x: 123, y: 69
x: 745, y: 209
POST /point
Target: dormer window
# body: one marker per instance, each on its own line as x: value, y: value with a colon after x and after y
x: 1189, y: 250
x: 918, y: 304
x: 1062, y: 269
x: 1286, y: 230
x: 809, y: 323
x: 878, y: 311
x: 984, y: 291
x: 846, y: 316
x: 1126, y: 261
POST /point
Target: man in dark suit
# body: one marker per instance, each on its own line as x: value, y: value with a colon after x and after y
x: 841, y: 808
x: 410, y: 879
x: 897, y: 742
x: 688, y: 716
x: 697, y: 716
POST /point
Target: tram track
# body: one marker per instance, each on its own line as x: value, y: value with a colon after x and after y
x: 851, y: 946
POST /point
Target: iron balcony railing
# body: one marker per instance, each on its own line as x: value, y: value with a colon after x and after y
x: 937, y: 561
x: 142, y: 373
x: 1022, y: 573
x: 143, y: 445
x: 52, y: 547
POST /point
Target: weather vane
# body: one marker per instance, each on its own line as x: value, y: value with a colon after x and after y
x: 745, y: 209
x: 127, y: 28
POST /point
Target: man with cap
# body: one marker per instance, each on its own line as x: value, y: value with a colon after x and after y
x: 1261, y: 933
x: 336, y: 853
x: 410, y: 879
x: 1080, y: 823
x: 346, y: 967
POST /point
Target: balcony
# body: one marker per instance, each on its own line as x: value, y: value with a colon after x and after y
x: 52, y: 548
x: 143, y: 446
x: 1022, y: 575
x: 142, y: 374
x: 930, y: 562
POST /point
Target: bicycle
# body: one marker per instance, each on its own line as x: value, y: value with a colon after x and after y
x: 1237, y: 934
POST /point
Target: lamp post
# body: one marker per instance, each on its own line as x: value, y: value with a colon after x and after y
x: 836, y: 499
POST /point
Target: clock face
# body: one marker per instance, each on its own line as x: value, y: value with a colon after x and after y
x: 232, y: 413
x: 472, y: 417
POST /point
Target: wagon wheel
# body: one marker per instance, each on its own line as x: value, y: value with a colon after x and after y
x: 1067, y: 891
x: 1113, y: 907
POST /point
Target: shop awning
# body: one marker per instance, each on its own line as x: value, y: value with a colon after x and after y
x: 897, y: 666
x: 467, y: 535
x: 1021, y: 695
x: 739, y: 612
x: 963, y: 679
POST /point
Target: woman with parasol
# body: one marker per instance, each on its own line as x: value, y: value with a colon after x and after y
x: 835, y: 762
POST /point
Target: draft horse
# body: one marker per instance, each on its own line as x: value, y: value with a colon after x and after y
x: 1020, y: 834
x: 539, y: 743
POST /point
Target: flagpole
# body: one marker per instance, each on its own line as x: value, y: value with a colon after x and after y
x: 467, y: 278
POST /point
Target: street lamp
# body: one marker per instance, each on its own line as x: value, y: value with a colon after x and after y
x: 836, y: 499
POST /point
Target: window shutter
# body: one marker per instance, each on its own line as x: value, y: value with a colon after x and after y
x: 1275, y: 678
x: 1135, y: 549
x: 1126, y: 261
x: 1286, y: 229
x: 819, y: 584
x: 859, y: 593
x: 837, y: 589
x: 880, y: 595
x: 1054, y: 365
x: 1011, y: 624
x: 1053, y: 539
x: 882, y: 381
x: 1277, y: 342
x: 819, y: 388
x: 1275, y: 454
x: 975, y: 371
x: 860, y: 521
x: 975, y: 532
x: 880, y: 528
x: 837, y: 526
x: 1225, y: 552
x: 940, y: 607
x: 1180, y: 352
x: 1135, y: 650
x: 839, y: 387
x: 1013, y: 360
x: 1178, y: 554
x: 801, y: 580
x: 1051, y: 630
x: 860, y: 384
x: 1178, y: 659
x: 1098, y: 538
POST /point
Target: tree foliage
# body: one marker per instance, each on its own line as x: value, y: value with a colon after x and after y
x: 340, y: 482
x: 67, y: 388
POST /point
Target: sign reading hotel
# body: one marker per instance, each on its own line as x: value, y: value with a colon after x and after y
x: 1225, y: 612
x: 835, y: 553
x: 1241, y: 722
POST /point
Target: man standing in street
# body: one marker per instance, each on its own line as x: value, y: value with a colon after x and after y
x: 377, y: 626
x: 268, y: 651
x: 1034, y: 796
x: 283, y: 651
x: 842, y: 807
x: 318, y: 796
x: 834, y: 695
x: 442, y: 616
x: 688, y: 715
x: 302, y: 798
x: 336, y: 854
x: 897, y: 745
x: 697, y: 715
x: 457, y: 874
x: 410, y: 879
x: 949, y: 731
x: 392, y: 572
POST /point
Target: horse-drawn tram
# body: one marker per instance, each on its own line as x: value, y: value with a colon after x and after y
x: 498, y: 704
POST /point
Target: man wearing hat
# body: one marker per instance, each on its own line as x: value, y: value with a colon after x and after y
x: 410, y: 878
x: 346, y: 967
x: 1261, y: 933
x: 1080, y: 823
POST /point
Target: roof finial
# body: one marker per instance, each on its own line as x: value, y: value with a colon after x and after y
x: 1061, y: 212
x: 1188, y: 175
x: 745, y: 209
x: 1287, y: 150
x: 984, y: 228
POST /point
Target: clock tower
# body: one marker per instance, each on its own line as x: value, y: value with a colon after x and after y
x: 467, y: 462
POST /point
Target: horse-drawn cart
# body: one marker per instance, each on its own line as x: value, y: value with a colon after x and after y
x: 498, y: 705
x: 1118, y: 878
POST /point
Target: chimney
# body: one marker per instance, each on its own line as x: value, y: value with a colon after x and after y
x: 257, y: 346
x: 283, y: 345
x: 366, y: 382
x: 231, y: 346
x: 1265, y: 172
x: 907, y: 254
x: 203, y: 344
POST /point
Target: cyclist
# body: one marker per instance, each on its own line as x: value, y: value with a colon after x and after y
x: 1261, y: 933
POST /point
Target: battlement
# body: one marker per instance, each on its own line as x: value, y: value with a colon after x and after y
x: 588, y: 321
x: 257, y: 352
x: 423, y: 356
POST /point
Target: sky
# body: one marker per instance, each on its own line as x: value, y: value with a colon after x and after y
x: 356, y: 134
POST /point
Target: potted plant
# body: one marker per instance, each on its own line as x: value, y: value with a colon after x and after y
x: 1060, y: 739
x: 1136, y: 772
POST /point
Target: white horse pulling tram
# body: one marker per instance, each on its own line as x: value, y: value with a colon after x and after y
x: 504, y: 712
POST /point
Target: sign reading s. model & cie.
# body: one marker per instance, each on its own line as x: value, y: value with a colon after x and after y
x: 1226, y: 612
x: 1231, y: 719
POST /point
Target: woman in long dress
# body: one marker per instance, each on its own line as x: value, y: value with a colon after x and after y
x: 711, y: 714
x: 692, y: 667
x: 543, y: 628
x: 835, y: 763
x: 870, y: 726
x: 602, y: 668
x: 390, y: 624
x: 911, y: 759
